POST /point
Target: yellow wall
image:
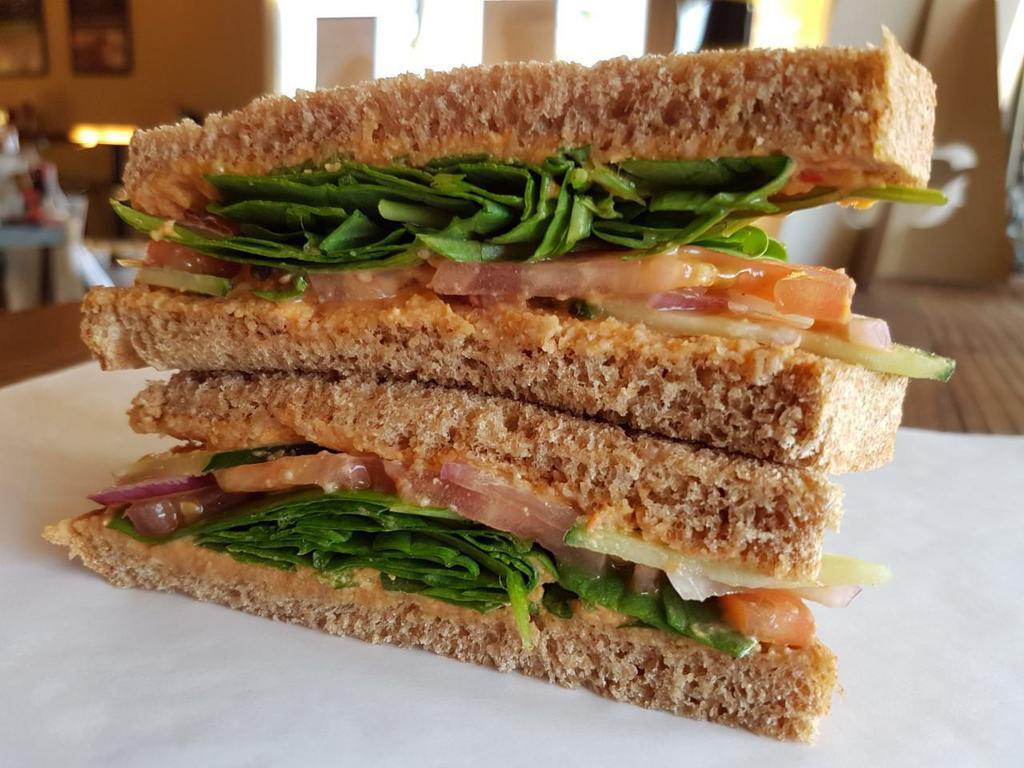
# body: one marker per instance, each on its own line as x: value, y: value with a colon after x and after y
x: 200, y: 55
x: 196, y: 55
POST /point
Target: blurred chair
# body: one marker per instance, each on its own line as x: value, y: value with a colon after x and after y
x: 49, y: 263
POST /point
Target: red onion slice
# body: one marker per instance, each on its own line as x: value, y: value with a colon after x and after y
x: 163, y: 516
x: 499, y: 505
x: 148, y: 489
x: 689, y: 300
x: 690, y: 584
x: 869, y: 331
x: 154, y: 517
x: 833, y: 597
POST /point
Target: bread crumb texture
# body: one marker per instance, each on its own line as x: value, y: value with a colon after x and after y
x: 775, y: 403
x: 774, y: 691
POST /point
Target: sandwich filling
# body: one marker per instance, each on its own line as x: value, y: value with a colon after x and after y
x: 458, y: 535
x: 673, y: 244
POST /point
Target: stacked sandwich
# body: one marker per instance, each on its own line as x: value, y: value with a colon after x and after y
x: 498, y: 363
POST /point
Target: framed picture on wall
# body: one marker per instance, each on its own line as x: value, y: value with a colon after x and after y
x: 22, y: 39
x: 101, y: 37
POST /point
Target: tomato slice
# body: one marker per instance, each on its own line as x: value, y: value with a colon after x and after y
x: 795, y: 289
x: 328, y: 470
x: 823, y: 294
x: 163, y: 253
x: 771, y: 615
x: 604, y: 273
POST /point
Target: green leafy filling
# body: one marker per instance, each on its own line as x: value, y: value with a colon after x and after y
x: 662, y: 609
x: 428, y: 551
x: 432, y: 552
x: 473, y: 208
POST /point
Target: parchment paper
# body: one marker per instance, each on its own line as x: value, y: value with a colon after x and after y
x: 932, y: 664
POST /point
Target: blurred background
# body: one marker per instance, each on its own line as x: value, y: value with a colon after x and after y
x: 77, y: 77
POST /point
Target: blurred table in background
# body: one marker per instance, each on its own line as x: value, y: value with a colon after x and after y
x: 42, y: 238
x: 982, y: 330
x: 37, y: 341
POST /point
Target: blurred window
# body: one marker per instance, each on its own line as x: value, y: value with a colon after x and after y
x: 414, y: 36
x: 587, y: 31
x: 409, y: 36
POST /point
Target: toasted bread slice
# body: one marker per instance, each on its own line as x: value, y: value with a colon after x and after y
x: 778, y: 692
x: 841, y: 113
x: 776, y: 403
x: 698, y: 501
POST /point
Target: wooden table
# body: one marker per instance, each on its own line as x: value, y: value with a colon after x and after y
x: 39, y: 340
x: 982, y: 330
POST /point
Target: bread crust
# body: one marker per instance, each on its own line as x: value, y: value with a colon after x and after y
x: 843, y: 113
x: 773, y: 691
x: 698, y: 501
x: 775, y: 403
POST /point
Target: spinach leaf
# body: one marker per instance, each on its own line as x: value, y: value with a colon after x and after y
x: 391, y: 251
x: 892, y: 193
x: 277, y: 216
x: 642, y: 237
x: 662, y: 609
x: 615, y: 183
x: 558, y: 600
x: 355, y: 231
x: 414, y: 215
x: 747, y: 242
x: 456, y: 249
x: 726, y: 173
x: 700, y: 201
x: 554, y: 233
x: 235, y: 188
x: 490, y: 218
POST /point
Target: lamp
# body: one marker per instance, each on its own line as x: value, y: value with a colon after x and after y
x: 93, y: 134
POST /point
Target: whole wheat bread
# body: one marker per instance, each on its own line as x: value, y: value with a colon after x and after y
x: 698, y: 501
x: 779, y: 692
x: 770, y: 402
x: 852, y: 116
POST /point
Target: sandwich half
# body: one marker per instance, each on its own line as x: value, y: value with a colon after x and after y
x: 503, y: 533
x: 700, y: 503
x: 584, y: 239
x: 773, y: 689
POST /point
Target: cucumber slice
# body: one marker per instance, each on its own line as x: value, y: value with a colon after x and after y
x: 836, y: 570
x: 184, y: 281
x: 898, y: 359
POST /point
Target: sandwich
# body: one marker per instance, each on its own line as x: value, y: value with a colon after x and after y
x: 498, y: 363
